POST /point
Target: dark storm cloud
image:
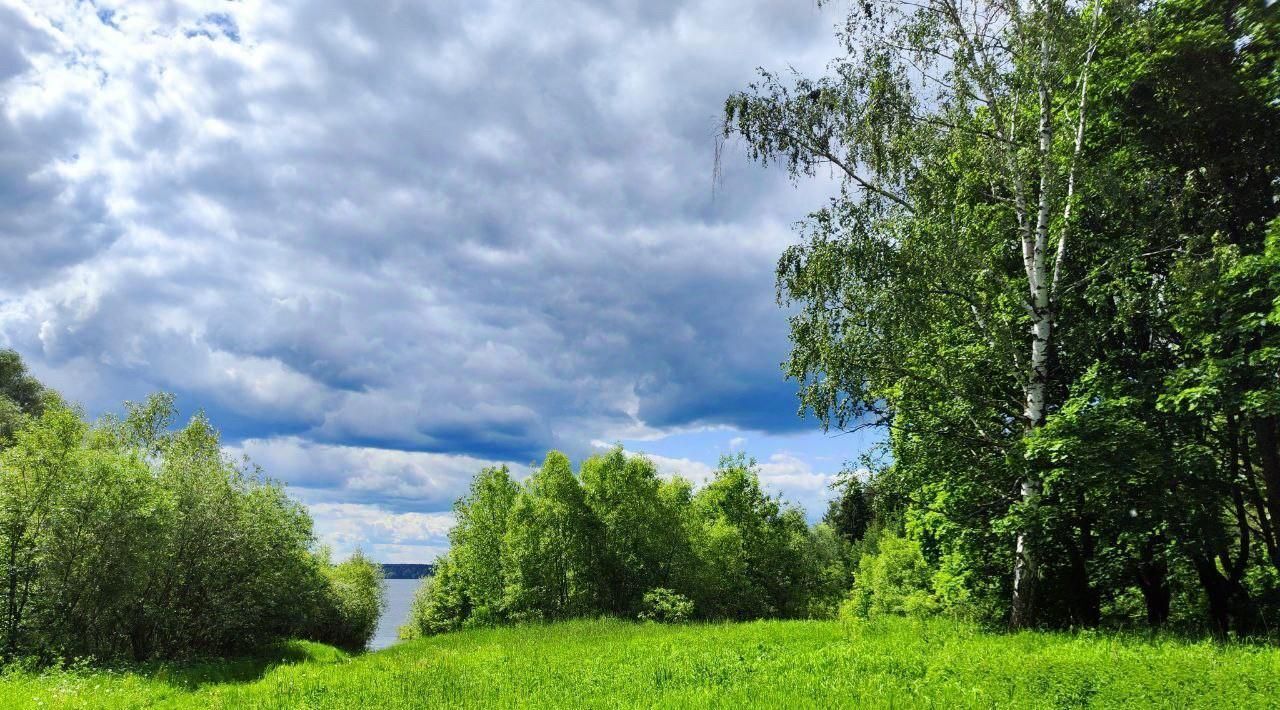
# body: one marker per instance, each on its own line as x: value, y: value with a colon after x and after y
x: 475, y: 229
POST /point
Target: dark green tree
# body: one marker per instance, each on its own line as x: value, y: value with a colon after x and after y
x: 849, y: 512
x: 21, y: 394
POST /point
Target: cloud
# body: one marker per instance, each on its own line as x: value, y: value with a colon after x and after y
x: 781, y: 474
x: 397, y: 480
x: 384, y: 535
x: 797, y: 480
x: 469, y: 230
x: 52, y: 213
x: 697, y: 472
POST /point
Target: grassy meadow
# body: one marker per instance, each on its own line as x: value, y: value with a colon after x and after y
x: 891, y: 662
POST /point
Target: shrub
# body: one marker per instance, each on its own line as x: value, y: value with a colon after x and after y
x: 561, y: 545
x: 438, y: 604
x: 954, y: 590
x: 894, y: 580
x: 128, y: 538
x: 354, y: 601
x: 665, y: 606
x: 482, y: 617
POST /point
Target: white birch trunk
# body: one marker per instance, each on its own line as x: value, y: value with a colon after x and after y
x: 1044, y: 288
x: 1034, y: 255
x: 1042, y: 272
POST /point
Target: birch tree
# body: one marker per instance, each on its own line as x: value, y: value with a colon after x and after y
x: 1001, y: 85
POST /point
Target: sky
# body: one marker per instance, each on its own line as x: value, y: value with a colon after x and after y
x: 385, y: 244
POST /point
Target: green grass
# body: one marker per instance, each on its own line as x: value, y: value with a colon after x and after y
x: 151, y: 684
x: 892, y: 663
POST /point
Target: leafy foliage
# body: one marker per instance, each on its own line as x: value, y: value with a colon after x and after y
x: 352, y: 605
x: 130, y: 538
x: 21, y: 395
x: 619, y: 540
x: 665, y: 606
x: 1052, y: 275
x: 895, y: 580
x: 551, y: 556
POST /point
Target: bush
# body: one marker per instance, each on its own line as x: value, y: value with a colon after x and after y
x: 132, y: 538
x: 561, y: 545
x: 665, y: 607
x: 482, y: 617
x: 354, y: 601
x: 438, y: 605
x: 894, y: 580
x: 126, y: 538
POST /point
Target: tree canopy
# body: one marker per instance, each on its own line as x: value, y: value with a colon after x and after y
x: 1051, y: 276
x: 618, y: 539
x: 131, y: 537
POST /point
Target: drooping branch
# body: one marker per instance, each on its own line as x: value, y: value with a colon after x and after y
x: 781, y: 131
x: 866, y: 184
x: 981, y: 66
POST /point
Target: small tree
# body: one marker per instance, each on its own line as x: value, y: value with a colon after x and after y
x: 21, y: 395
x: 642, y: 531
x: 552, y: 552
x: 849, y: 513
x: 439, y: 604
x: 476, y: 541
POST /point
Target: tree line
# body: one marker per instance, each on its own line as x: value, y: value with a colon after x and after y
x: 618, y: 539
x: 129, y: 538
x: 1051, y: 275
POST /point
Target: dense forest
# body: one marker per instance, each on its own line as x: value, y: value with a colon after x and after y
x: 1050, y: 276
x: 131, y: 538
x: 402, y: 570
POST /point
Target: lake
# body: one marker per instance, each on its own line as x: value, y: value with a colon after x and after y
x: 399, y: 596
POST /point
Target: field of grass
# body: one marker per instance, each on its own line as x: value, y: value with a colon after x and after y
x: 892, y: 663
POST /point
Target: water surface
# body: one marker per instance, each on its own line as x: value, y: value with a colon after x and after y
x: 399, y: 595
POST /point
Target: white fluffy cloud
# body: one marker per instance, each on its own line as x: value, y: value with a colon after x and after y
x: 795, y: 478
x: 781, y: 473
x: 385, y: 536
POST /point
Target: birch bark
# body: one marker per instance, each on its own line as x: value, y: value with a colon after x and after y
x: 1043, y: 286
x: 1034, y: 253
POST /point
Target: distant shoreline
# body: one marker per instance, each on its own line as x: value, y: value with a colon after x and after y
x: 407, y: 571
